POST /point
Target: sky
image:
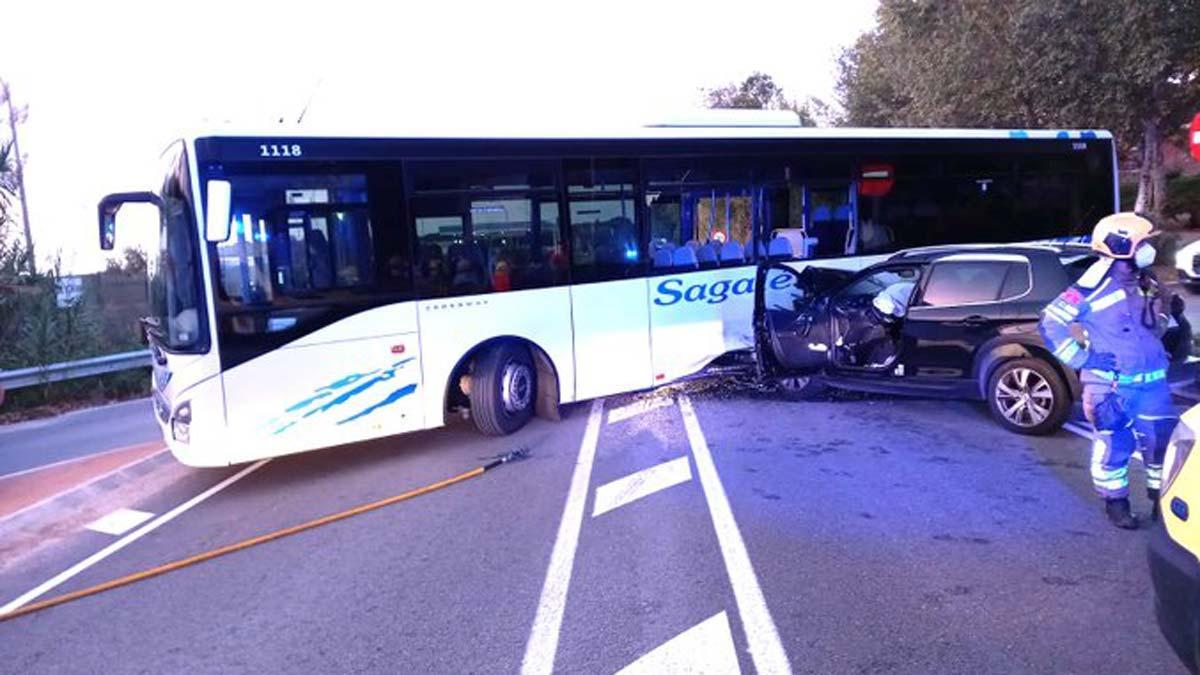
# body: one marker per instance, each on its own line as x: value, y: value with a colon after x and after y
x: 108, y: 85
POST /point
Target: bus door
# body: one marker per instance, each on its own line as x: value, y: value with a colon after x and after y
x: 317, y: 344
x: 831, y: 218
x: 610, y: 321
x: 701, y: 283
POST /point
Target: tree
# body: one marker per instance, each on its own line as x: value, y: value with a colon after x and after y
x: 132, y: 261
x: 1132, y: 66
x: 760, y: 92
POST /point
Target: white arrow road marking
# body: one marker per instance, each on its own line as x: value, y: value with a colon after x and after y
x: 543, y: 638
x: 706, y: 648
x: 766, y: 650
x: 636, y: 408
x: 645, y: 482
x: 119, y: 522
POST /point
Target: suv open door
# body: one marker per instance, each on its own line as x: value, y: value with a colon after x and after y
x: 792, y: 331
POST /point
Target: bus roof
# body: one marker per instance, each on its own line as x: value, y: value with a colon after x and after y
x: 673, y: 129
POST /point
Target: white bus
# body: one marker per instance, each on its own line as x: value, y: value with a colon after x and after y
x: 317, y: 290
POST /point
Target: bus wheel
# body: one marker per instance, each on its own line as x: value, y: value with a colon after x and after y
x: 503, y: 389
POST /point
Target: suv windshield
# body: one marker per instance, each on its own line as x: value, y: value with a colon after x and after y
x: 174, y: 321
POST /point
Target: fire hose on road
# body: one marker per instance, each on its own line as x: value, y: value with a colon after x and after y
x: 263, y: 538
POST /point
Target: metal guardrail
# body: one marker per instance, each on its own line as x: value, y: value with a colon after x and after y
x: 69, y: 370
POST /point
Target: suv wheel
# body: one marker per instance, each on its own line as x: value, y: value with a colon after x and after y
x: 801, y: 387
x: 1028, y: 396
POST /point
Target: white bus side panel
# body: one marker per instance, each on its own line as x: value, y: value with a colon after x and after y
x: 356, y: 379
x: 451, y: 327
x: 612, y: 338
x: 697, y: 316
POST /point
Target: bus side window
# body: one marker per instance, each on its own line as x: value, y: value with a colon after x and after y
x: 702, y: 212
x: 605, y: 235
x: 484, y: 226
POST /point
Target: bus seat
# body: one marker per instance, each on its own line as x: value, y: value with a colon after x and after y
x: 692, y: 244
x: 706, y: 255
x: 732, y: 252
x: 821, y: 214
x: 761, y: 249
x: 842, y: 212
x: 781, y: 249
x: 663, y: 257
x: 684, y: 258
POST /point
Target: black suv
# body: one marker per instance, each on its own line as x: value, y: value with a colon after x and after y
x: 954, y: 322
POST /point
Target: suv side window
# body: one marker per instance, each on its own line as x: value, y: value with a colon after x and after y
x: 873, y: 283
x: 969, y: 282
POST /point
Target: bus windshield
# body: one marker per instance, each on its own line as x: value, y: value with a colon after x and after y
x: 174, y: 322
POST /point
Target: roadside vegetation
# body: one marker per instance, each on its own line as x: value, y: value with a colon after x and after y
x: 42, y: 321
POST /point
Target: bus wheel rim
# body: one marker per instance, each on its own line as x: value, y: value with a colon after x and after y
x: 516, y: 387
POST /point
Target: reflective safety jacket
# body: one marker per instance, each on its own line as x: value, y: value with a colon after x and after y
x: 1121, y: 312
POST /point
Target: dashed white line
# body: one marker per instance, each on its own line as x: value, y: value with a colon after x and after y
x: 705, y: 648
x: 641, y: 484
x: 638, y: 407
x: 119, y: 522
x: 766, y: 649
x: 543, y: 637
x: 128, y: 539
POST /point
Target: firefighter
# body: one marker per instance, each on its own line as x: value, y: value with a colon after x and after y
x: 1122, y: 310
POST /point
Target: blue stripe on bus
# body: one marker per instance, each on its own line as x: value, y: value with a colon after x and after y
x: 392, y: 398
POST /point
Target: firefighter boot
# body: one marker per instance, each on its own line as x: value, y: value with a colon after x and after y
x: 1118, y: 513
x: 1154, y: 510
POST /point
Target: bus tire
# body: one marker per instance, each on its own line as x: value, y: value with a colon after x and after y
x: 503, y: 389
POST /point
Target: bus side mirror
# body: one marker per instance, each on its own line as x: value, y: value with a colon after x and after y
x: 216, y: 210
x: 108, y: 213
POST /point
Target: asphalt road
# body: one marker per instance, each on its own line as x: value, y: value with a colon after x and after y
x: 81, y: 433
x: 863, y: 535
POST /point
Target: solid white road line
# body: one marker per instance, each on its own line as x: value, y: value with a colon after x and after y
x: 765, y: 647
x: 705, y: 648
x: 1085, y: 433
x: 119, y: 522
x: 1078, y: 430
x: 543, y: 637
x: 127, y: 539
x: 645, y: 482
x: 638, y: 407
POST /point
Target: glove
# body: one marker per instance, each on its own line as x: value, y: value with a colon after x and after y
x: 1177, y: 306
x: 1101, y: 361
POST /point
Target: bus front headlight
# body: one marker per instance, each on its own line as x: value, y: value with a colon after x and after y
x: 1179, y: 448
x: 181, y: 423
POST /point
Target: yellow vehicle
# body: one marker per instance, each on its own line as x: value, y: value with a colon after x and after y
x: 1174, y: 549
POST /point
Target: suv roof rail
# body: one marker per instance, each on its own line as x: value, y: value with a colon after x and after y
x: 939, y: 248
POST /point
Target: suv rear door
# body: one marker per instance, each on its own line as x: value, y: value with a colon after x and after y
x: 963, y: 303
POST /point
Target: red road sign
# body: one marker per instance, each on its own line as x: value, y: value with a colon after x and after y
x: 1194, y: 137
